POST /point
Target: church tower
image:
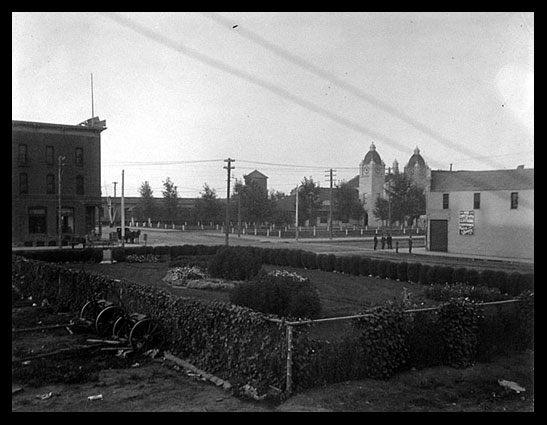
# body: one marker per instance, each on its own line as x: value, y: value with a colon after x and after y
x: 417, y: 170
x: 372, y: 172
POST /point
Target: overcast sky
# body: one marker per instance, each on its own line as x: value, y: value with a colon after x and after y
x: 289, y: 94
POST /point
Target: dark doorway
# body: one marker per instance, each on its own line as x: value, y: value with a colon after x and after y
x: 438, y: 235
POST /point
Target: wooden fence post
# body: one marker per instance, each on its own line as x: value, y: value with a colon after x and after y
x: 288, y: 388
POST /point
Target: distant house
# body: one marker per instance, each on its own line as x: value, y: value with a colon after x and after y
x: 35, y: 151
x: 488, y: 213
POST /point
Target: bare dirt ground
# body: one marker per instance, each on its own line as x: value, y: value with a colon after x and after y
x: 63, y: 383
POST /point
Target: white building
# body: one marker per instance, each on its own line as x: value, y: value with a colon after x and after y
x: 488, y: 213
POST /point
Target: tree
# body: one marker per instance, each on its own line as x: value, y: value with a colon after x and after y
x: 145, y: 208
x: 381, y: 209
x: 280, y: 216
x: 253, y: 202
x: 309, y: 201
x: 208, y: 206
x: 346, y: 203
x: 407, y: 200
x: 170, y: 199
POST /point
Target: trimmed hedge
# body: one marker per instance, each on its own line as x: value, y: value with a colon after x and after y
x: 244, y: 346
x: 234, y: 263
x: 280, y: 295
x: 511, y: 283
x: 235, y: 343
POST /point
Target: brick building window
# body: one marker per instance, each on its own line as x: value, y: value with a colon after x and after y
x: 514, y: 200
x: 79, y: 185
x: 445, y: 201
x: 50, y: 184
x: 476, y: 201
x: 79, y: 158
x: 50, y: 155
x: 37, y: 220
x: 22, y: 155
x: 23, y: 183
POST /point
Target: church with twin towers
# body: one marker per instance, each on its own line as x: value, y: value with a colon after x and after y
x: 372, y: 178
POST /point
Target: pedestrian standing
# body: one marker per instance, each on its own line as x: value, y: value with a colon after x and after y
x: 389, y: 241
x: 383, y: 240
x: 375, y: 242
x: 410, y: 244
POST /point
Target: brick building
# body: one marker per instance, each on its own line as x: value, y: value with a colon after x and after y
x: 36, y: 148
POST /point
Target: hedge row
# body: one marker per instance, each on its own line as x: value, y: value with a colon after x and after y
x: 389, y: 341
x: 245, y: 347
x: 510, y: 283
x: 235, y: 343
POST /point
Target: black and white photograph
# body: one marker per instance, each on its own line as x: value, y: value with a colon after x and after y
x: 272, y: 211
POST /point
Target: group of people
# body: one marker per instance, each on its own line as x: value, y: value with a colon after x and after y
x: 387, y: 239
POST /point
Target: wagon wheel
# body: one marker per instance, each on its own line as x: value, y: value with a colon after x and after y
x: 146, y: 334
x: 106, y: 319
x: 122, y: 327
x: 89, y: 312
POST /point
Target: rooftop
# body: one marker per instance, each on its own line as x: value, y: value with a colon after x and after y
x: 455, y: 181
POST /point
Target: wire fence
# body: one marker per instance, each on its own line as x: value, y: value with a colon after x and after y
x: 338, y: 332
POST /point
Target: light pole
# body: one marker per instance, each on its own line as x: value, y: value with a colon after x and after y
x: 60, y: 216
x: 297, y: 212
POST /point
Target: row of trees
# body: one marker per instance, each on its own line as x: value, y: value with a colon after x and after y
x: 253, y: 204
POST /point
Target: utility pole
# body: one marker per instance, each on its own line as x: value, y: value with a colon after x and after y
x: 296, y: 212
x: 331, y: 201
x: 123, y: 212
x: 114, y: 208
x: 239, y: 215
x: 60, y: 216
x: 229, y: 168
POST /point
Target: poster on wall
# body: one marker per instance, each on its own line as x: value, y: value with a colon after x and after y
x: 467, y: 222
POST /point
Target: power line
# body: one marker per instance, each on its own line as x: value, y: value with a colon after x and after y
x: 374, y: 101
x: 215, y: 63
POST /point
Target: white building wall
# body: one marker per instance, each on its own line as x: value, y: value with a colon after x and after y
x: 499, y: 230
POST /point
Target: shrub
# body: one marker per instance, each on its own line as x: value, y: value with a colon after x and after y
x: 500, y: 279
x: 383, y: 334
x: 459, y: 275
x: 391, y: 271
x: 471, y: 277
x: 331, y: 262
x: 364, y: 266
x: 234, y: 263
x: 445, y: 274
x: 118, y: 254
x: 309, y: 260
x: 458, y: 322
x: 382, y: 269
x: 322, y: 262
x: 424, y: 274
x: 295, y: 258
x: 346, y: 265
x: 402, y: 271
x: 355, y: 265
x: 282, y: 293
x: 487, y: 278
x: 338, y: 265
x: 413, y: 272
x: 373, y: 267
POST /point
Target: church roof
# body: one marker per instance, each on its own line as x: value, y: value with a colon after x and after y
x: 372, y: 155
x: 416, y: 159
